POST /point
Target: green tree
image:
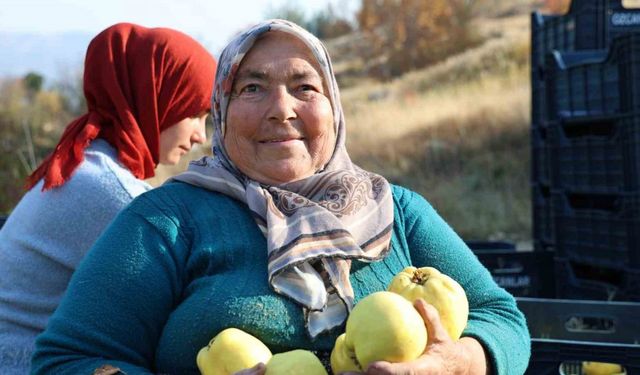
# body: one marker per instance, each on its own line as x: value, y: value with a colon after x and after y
x: 33, y: 82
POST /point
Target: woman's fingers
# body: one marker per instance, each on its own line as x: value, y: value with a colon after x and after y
x: 417, y: 366
x: 435, y: 330
x: 258, y: 369
x: 385, y: 368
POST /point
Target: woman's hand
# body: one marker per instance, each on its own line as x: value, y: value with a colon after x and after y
x: 442, y: 355
x: 258, y: 369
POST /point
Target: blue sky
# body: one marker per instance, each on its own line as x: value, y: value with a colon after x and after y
x: 212, y: 22
x: 50, y: 37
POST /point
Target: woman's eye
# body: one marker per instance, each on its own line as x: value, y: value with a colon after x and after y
x: 308, y: 89
x: 250, y: 88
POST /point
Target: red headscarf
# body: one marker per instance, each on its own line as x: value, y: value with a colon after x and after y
x: 137, y: 82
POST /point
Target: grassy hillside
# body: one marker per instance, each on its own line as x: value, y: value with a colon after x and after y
x: 457, y: 132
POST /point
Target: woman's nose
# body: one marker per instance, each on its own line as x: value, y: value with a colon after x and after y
x: 281, y: 106
x: 200, y: 132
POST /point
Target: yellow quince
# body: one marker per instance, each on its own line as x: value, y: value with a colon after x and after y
x: 439, y: 290
x: 230, y: 351
x: 343, y: 359
x: 602, y: 368
x: 295, y: 362
x: 383, y: 326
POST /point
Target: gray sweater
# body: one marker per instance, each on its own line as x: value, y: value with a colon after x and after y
x: 44, y: 239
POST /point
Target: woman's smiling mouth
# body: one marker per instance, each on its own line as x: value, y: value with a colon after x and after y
x: 282, y: 141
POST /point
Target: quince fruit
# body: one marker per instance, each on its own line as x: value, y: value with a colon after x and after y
x: 602, y: 368
x: 383, y: 326
x: 295, y: 362
x: 439, y: 290
x: 342, y: 359
x: 230, y: 351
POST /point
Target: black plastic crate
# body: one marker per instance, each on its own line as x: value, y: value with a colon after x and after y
x: 543, y: 230
x: 596, y: 154
x: 589, y: 24
x: 542, y: 246
x: 564, y: 333
x: 597, y: 229
x: 586, y: 83
x: 594, y: 83
x: 576, y: 280
x: 540, y: 156
x: 538, y: 93
x: 559, y: 89
x: 522, y: 273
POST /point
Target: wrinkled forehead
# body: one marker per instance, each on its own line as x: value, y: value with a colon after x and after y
x: 274, y: 46
x: 286, y: 32
x: 279, y: 40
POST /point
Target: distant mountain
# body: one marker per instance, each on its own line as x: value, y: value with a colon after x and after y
x: 51, y: 55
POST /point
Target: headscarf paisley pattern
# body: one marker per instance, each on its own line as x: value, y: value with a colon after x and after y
x: 314, y: 226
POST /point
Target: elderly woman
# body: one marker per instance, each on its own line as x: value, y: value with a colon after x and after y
x: 279, y: 234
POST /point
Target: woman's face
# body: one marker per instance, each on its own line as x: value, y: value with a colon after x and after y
x: 280, y: 125
x: 177, y: 140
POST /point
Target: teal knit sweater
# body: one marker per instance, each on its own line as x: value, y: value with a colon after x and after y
x: 182, y: 263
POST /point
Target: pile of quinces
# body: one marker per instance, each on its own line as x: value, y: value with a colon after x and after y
x: 233, y: 350
x: 383, y: 326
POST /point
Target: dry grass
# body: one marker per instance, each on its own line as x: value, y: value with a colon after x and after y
x: 407, y: 111
x: 465, y: 148
x: 457, y: 132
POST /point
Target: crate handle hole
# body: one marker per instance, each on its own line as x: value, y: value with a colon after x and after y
x: 594, y: 130
x: 609, y: 276
x: 590, y: 324
x: 602, y: 202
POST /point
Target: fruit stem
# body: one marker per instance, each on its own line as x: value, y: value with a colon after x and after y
x: 419, y: 277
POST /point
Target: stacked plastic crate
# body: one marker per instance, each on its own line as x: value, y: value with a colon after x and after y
x: 585, y: 142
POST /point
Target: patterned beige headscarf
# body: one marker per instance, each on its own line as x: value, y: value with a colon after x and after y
x: 314, y: 226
